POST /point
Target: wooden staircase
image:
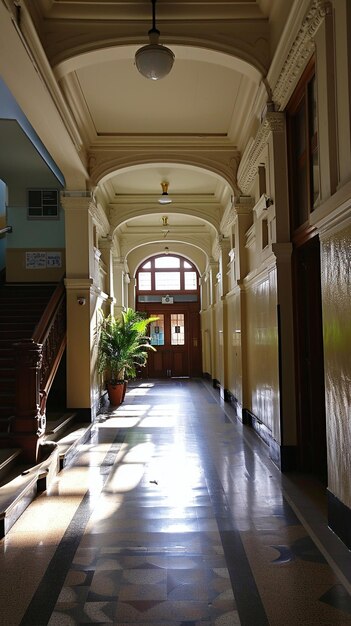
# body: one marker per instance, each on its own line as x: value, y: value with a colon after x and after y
x: 21, y: 307
x: 32, y: 322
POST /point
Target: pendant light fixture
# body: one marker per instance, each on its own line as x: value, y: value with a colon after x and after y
x: 165, y: 199
x: 154, y: 61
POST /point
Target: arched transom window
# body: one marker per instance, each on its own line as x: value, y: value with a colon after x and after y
x: 167, y: 274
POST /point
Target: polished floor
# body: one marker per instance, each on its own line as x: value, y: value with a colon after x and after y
x: 173, y: 514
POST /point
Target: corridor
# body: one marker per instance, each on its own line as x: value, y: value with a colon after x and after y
x: 173, y: 514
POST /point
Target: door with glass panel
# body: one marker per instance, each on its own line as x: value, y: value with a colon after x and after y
x: 168, y: 286
x: 169, y: 336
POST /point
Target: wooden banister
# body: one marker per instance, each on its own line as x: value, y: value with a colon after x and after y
x: 37, y: 361
x: 6, y: 229
x: 51, y: 334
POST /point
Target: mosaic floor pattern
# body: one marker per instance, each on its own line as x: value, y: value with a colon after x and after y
x: 172, y: 514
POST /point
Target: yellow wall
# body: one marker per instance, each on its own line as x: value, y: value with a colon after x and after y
x: 262, y: 351
x: 234, y: 339
x: 336, y: 297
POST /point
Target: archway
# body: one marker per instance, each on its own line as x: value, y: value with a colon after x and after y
x: 167, y: 285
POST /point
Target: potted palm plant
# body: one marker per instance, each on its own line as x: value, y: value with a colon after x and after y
x: 123, y: 348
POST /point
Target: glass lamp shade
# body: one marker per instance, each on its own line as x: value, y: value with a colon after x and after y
x: 165, y: 199
x: 154, y: 61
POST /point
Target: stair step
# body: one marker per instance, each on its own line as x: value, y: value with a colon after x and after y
x: 15, y: 496
x: 8, y: 458
x: 19, y: 488
x: 14, y: 324
x: 5, y: 373
x: 13, y: 334
x: 6, y: 412
x: 69, y: 444
x: 5, y: 423
x: 57, y: 424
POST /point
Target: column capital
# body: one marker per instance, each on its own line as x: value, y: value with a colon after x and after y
x: 282, y: 252
x: 273, y: 122
x: 76, y: 200
x: 106, y: 243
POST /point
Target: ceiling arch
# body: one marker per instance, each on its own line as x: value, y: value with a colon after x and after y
x: 142, y: 182
x: 221, y: 163
x: 139, y: 254
x: 165, y: 228
x: 182, y: 52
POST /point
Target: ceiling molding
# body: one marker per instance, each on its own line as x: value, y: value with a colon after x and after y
x: 300, y: 52
x: 27, y: 31
x: 128, y: 244
x: 221, y: 161
x: 169, y: 9
x: 211, y: 215
x: 244, y: 39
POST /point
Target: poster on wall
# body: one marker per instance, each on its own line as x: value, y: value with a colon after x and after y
x: 53, y: 259
x: 35, y: 260
x: 42, y: 260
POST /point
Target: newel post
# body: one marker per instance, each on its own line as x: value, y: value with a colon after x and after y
x: 29, y: 422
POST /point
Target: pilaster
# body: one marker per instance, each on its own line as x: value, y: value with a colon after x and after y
x: 118, y: 284
x: 106, y: 247
x: 287, y: 434
x: 243, y: 221
x: 79, y: 234
x: 82, y: 287
x: 327, y: 121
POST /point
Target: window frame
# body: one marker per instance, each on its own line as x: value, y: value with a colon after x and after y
x: 180, y: 270
x: 43, y: 205
x: 301, y: 164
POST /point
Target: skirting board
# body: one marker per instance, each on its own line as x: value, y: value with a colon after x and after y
x: 339, y: 518
x: 284, y: 457
x: 231, y: 399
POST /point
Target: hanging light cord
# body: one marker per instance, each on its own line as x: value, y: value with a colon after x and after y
x: 154, y: 29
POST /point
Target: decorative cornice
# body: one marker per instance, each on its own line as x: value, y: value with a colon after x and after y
x: 228, y: 219
x: 274, y: 122
x: 26, y: 30
x: 300, y: 52
x: 99, y: 216
x: 216, y: 248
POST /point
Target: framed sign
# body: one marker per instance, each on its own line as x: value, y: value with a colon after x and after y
x: 167, y: 300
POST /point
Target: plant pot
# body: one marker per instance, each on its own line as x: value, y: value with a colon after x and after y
x: 116, y: 392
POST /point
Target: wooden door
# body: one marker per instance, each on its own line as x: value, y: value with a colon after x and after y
x: 309, y: 359
x: 176, y: 337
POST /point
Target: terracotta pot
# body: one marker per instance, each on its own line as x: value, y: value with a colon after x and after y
x: 115, y: 392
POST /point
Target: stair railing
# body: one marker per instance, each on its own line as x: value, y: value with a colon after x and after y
x: 50, y: 332
x: 37, y: 360
x: 5, y: 230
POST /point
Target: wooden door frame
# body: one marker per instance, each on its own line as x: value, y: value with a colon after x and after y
x: 308, y: 337
x: 189, y: 309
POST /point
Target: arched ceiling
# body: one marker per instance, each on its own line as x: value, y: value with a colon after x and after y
x: 187, y: 128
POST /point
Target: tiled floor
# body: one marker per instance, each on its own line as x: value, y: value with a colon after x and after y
x: 174, y: 515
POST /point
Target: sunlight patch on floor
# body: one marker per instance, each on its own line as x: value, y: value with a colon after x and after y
x: 125, y: 478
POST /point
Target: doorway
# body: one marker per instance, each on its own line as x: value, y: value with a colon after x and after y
x: 176, y: 338
x: 168, y: 287
x: 312, y: 450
